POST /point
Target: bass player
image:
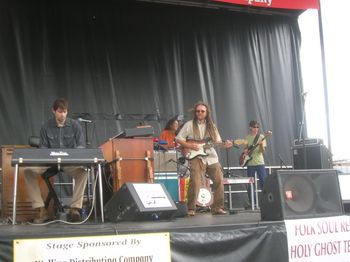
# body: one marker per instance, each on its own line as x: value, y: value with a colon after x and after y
x: 252, y: 155
x: 200, y: 129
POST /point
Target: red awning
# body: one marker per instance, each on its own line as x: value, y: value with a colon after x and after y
x: 283, y: 4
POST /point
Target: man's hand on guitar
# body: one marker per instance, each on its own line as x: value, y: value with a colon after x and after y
x: 191, y: 150
x: 228, y: 143
x: 194, y: 146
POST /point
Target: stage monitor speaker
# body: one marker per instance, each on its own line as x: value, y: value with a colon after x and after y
x: 317, y: 157
x: 140, y: 201
x: 293, y: 194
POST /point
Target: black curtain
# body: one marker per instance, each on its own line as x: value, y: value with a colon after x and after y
x: 121, y: 62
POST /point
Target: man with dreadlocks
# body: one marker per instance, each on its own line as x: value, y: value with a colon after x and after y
x: 191, y: 137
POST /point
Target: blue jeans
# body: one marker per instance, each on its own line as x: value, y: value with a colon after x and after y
x: 261, y: 174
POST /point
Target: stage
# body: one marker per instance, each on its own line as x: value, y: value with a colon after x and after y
x: 204, y: 237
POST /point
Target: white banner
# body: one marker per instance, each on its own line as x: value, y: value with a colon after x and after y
x: 319, y: 239
x: 153, y: 247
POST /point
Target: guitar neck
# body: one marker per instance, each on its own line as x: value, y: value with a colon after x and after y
x: 216, y: 144
x: 252, y: 147
x: 210, y: 144
x: 236, y: 142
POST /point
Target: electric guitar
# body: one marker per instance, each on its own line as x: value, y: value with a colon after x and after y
x: 245, y: 157
x: 190, y: 154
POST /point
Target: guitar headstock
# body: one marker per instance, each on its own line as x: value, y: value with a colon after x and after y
x: 268, y: 134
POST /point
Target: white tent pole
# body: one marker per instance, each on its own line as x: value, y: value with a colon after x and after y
x: 324, y: 74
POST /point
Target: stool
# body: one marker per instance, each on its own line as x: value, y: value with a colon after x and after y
x: 50, y: 172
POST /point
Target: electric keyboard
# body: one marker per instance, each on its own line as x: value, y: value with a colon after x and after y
x: 50, y: 156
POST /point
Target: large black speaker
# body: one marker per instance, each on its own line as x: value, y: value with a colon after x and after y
x: 317, y: 157
x: 140, y: 201
x: 292, y: 194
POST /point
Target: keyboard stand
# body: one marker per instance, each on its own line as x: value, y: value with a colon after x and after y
x: 99, y: 177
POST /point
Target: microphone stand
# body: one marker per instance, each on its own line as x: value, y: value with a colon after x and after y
x: 87, y: 142
x: 179, y: 163
x: 227, y: 165
x: 282, y: 162
x: 158, y: 120
x: 301, y: 131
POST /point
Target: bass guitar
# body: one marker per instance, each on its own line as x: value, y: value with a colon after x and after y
x: 245, y: 157
x: 190, y: 154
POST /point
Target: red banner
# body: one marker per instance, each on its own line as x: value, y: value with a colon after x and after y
x: 283, y: 4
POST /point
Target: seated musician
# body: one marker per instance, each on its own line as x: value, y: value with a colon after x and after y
x: 169, y: 132
x: 202, y: 128
x: 59, y: 131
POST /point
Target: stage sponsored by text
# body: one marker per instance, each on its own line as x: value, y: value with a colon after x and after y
x: 154, y: 247
x: 319, y: 239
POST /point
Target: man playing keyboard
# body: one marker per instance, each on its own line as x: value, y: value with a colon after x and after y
x: 59, y: 131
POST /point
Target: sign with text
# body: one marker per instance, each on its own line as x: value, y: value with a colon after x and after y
x: 319, y: 239
x: 152, y: 195
x: 153, y: 247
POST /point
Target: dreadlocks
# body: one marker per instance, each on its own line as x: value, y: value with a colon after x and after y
x: 211, y: 130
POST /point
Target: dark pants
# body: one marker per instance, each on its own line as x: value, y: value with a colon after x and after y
x: 261, y: 174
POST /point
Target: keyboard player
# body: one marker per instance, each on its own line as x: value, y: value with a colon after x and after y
x: 59, y: 131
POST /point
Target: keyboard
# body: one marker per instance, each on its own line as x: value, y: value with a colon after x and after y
x: 48, y: 156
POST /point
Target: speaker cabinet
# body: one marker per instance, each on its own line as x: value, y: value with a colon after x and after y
x: 292, y: 194
x: 317, y: 157
x: 140, y: 201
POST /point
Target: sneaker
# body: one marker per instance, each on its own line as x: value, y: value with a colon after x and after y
x: 191, y: 213
x: 219, y: 211
x: 73, y: 215
x: 42, y: 216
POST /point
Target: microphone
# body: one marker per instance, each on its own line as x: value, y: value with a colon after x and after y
x: 84, y: 120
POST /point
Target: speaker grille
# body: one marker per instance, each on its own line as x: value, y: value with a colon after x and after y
x: 291, y: 194
x: 299, y: 194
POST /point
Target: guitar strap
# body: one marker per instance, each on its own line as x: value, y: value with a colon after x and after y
x: 254, y: 143
x: 255, y: 140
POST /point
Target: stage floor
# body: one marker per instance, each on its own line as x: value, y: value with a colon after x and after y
x: 200, y: 222
x: 231, y: 237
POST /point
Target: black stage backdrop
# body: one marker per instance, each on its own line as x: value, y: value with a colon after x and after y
x: 118, y: 62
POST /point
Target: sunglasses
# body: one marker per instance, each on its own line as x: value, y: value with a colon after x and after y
x: 200, y: 111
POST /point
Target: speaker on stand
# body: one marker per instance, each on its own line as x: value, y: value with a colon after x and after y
x: 140, y: 201
x: 292, y: 194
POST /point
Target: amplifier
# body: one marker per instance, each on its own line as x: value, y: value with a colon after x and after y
x: 165, y: 161
x: 312, y: 157
x: 138, y: 131
x: 308, y: 141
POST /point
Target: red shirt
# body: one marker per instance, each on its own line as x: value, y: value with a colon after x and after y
x: 168, y: 136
